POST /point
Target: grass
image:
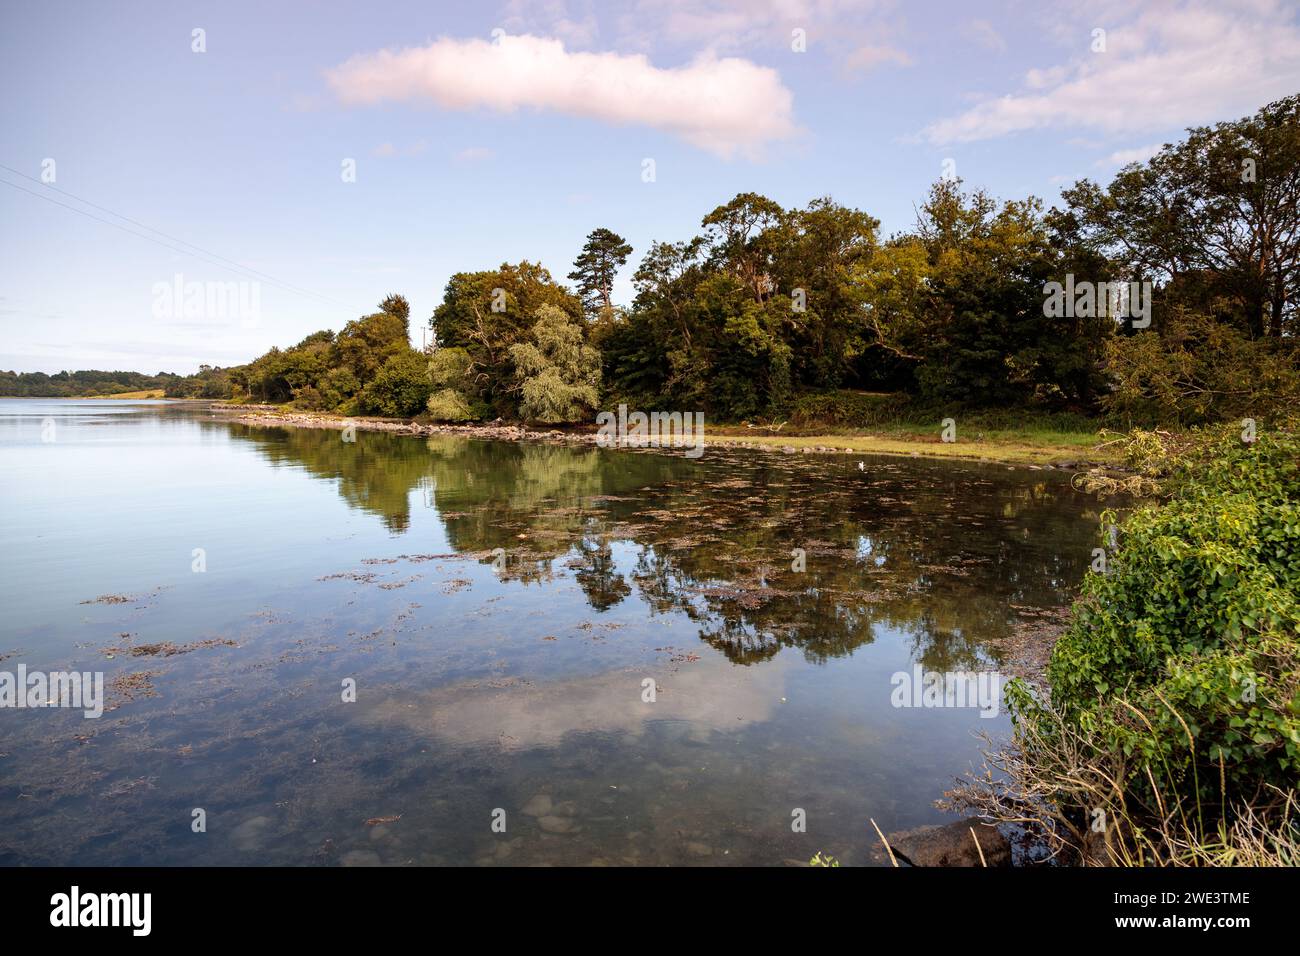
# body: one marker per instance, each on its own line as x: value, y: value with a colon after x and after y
x: 1012, y: 438
x: 137, y: 395
x: 1029, y: 445
x: 1068, y: 788
x: 1013, y: 435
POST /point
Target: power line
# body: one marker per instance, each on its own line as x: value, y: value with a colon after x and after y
x: 193, y: 250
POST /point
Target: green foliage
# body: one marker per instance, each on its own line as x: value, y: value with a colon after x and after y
x: 449, y: 405
x: 328, y: 372
x: 451, y: 374
x: 88, y: 382
x: 451, y: 368
x: 596, y: 268
x: 847, y: 409
x: 485, y: 313
x: 559, y: 375
x: 367, y: 343
x: 207, y: 382
x: 1196, y: 371
x: 401, y: 387
x: 1194, y: 627
x: 337, y: 387
x: 773, y: 302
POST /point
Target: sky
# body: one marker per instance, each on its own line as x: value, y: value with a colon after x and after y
x: 154, y: 156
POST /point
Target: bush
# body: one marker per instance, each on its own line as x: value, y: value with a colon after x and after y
x: 309, y: 397
x: 338, y: 387
x: 401, y: 387
x: 449, y: 405
x: 847, y: 409
x: 1195, y: 627
x: 1197, y: 371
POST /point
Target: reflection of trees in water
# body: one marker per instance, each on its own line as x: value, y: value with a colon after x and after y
x: 374, y: 473
x: 939, y: 552
x: 598, y: 575
x: 940, y: 557
x: 540, y: 503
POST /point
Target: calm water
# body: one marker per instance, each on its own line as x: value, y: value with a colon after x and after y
x: 479, y: 687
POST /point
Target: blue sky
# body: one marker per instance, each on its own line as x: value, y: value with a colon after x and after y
x: 471, y: 148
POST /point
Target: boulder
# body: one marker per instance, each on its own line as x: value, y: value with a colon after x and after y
x: 950, y: 845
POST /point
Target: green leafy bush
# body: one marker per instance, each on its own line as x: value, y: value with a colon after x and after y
x: 1198, y: 370
x: 401, y: 387
x: 449, y: 405
x: 1185, y: 653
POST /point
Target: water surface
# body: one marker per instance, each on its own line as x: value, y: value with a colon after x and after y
x: 493, y: 680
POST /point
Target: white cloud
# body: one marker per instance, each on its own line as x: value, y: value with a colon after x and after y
x: 724, y: 105
x: 1173, y: 63
x: 1138, y: 154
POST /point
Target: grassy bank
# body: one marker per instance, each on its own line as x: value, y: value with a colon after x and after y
x: 1034, y: 444
x: 144, y: 393
x: 1012, y: 446
x: 892, y: 424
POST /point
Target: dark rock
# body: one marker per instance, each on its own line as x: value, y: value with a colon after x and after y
x: 950, y: 845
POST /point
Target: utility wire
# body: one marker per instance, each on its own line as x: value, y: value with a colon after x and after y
x: 212, y: 258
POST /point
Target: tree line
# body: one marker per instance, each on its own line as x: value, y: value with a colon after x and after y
x: 81, y: 383
x: 767, y: 310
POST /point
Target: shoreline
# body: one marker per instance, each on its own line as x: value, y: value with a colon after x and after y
x: 1037, y: 457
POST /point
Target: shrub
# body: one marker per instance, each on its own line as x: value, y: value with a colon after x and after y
x: 1196, y: 627
x: 847, y: 409
x: 338, y: 387
x: 401, y: 387
x: 1196, y: 371
x: 449, y: 405
x: 309, y: 397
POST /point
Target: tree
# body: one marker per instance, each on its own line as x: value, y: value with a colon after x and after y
x: 452, y: 378
x: 485, y: 313
x: 401, y: 388
x: 1215, y: 216
x: 738, y: 235
x: 559, y: 376
x: 396, y: 305
x: 365, y: 344
x: 814, y: 254
x: 596, y: 267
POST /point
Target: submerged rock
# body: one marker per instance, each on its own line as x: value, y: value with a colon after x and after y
x: 538, y: 806
x: 950, y: 845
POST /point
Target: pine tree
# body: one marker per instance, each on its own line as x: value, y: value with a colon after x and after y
x: 594, y: 270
